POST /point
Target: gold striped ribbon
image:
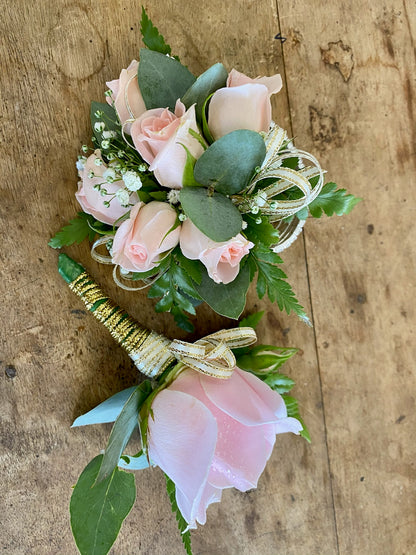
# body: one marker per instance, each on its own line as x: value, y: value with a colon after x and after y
x: 212, y: 355
x: 153, y: 353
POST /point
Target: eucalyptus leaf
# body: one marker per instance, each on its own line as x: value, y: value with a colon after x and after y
x: 211, y: 80
x: 212, y: 213
x: 229, y: 163
x: 228, y: 300
x: 122, y: 429
x: 107, y: 411
x: 162, y: 79
x: 134, y: 462
x: 97, y: 511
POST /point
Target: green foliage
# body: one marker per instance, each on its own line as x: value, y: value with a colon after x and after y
x: 76, y: 231
x: 182, y: 524
x: 162, y: 79
x: 151, y: 36
x: 212, y: 213
x: 252, y: 320
x: 230, y: 162
x: 68, y: 268
x: 263, y: 232
x: 332, y: 201
x: 97, y: 511
x: 123, y: 428
x: 292, y: 408
x: 206, y: 84
x: 228, y: 300
x: 177, y: 290
x: 271, y: 280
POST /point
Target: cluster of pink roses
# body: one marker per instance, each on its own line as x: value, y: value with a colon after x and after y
x: 160, y: 136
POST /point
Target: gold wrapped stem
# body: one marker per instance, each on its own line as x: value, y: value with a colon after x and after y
x: 148, y: 350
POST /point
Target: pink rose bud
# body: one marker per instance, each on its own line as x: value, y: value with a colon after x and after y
x: 222, y: 260
x: 243, y: 104
x: 208, y: 434
x: 153, y: 129
x: 160, y: 138
x: 91, y: 199
x: 140, y: 240
x: 126, y: 95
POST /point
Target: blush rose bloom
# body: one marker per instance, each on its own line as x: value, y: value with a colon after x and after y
x: 243, y: 104
x: 140, y: 240
x: 160, y: 137
x: 222, y: 260
x: 126, y: 95
x: 91, y: 200
x: 209, y: 434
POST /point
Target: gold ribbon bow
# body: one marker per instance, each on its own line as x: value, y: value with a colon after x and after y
x: 212, y: 354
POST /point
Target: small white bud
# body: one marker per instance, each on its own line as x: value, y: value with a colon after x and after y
x: 258, y: 220
x: 273, y: 205
x: 98, y: 162
x: 109, y: 175
x: 173, y: 196
x: 103, y: 192
x: 99, y: 126
x: 182, y: 217
x: 105, y: 144
x: 91, y: 174
x: 123, y: 197
x: 84, y: 148
x: 108, y: 93
x: 124, y: 272
x: 255, y: 210
x: 132, y: 181
x: 109, y: 134
x: 142, y: 168
x: 244, y: 225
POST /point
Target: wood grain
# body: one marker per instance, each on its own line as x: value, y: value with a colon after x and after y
x: 350, y: 97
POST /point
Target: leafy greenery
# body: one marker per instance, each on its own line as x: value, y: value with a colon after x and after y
x: 226, y: 299
x: 252, y: 320
x: 206, y: 84
x: 229, y: 163
x: 271, y: 280
x: 123, y: 427
x: 332, y: 201
x: 76, y: 231
x: 206, y: 208
x: 151, y: 36
x: 162, y: 79
x: 176, y: 289
x: 182, y: 524
x: 97, y: 511
x: 263, y: 232
x: 292, y: 408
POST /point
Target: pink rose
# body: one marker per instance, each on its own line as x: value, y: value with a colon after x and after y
x: 243, y: 104
x: 153, y: 129
x: 126, y: 95
x: 208, y: 434
x: 91, y: 200
x: 140, y: 240
x: 162, y: 137
x: 222, y: 260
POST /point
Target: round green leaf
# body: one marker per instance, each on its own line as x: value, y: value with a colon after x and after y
x: 212, y: 79
x: 212, y: 213
x: 229, y: 163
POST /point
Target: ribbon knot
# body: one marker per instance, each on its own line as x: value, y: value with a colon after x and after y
x: 212, y: 355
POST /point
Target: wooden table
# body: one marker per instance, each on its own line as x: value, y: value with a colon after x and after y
x: 349, y: 97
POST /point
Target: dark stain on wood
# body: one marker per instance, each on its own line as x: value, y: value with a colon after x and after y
x: 340, y: 56
x: 324, y: 129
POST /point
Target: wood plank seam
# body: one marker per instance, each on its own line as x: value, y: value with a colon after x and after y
x: 310, y: 301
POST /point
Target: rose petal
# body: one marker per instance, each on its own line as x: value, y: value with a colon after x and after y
x: 182, y: 438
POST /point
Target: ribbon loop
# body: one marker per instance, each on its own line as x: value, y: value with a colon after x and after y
x: 212, y: 355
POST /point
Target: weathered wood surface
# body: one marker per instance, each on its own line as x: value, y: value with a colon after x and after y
x: 349, y: 97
